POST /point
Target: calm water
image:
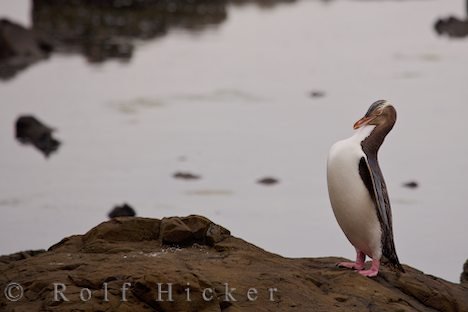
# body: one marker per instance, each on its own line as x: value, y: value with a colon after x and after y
x: 232, y: 104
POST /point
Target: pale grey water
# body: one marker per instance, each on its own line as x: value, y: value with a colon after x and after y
x: 233, y: 100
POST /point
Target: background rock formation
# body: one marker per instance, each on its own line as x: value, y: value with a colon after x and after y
x: 19, y: 48
x: 196, y: 253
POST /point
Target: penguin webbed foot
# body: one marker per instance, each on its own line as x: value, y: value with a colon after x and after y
x: 374, y: 269
x: 351, y: 265
x: 369, y: 273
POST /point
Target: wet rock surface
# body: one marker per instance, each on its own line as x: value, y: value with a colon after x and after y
x: 141, y: 254
x: 29, y: 130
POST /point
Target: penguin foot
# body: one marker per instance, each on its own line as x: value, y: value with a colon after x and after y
x: 369, y: 273
x: 351, y: 265
x: 373, y: 271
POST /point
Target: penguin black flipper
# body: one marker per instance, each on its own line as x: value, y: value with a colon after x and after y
x: 372, y: 177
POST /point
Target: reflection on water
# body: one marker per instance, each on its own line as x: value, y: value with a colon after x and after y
x: 103, y: 30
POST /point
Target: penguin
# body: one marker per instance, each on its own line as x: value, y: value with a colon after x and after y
x: 357, y: 190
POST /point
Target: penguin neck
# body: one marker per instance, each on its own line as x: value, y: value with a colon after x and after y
x: 372, y: 142
x: 362, y: 133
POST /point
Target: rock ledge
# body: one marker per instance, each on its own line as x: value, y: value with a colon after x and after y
x: 127, y: 263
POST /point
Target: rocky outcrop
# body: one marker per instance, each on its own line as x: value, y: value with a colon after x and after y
x: 192, y: 264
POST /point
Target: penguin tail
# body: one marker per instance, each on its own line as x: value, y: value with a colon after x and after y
x: 395, y: 263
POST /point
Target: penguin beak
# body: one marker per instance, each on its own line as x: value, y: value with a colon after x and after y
x: 362, y: 122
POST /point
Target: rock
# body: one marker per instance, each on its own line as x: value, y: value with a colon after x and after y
x: 124, y: 210
x: 464, y: 275
x: 190, y: 230
x: 125, y: 264
x: 107, y: 29
x: 19, y: 48
x: 411, y: 184
x: 265, y: 4
x: 186, y: 176
x: 452, y: 27
x: 29, y: 130
x: 268, y: 181
x: 20, y: 255
x: 317, y: 94
x: 175, y: 231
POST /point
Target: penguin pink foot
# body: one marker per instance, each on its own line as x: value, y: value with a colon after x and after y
x: 351, y: 265
x: 374, y: 269
x: 358, y: 265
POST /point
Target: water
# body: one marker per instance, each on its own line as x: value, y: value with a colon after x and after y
x: 231, y: 103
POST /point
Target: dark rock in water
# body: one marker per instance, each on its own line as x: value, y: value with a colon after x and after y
x: 107, y: 29
x: 196, y: 254
x: 264, y: 4
x: 411, y: 184
x: 464, y: 275
x: 186, y: 176
x: 124, y: 210
x: 317, y: 94
x: 29, y: 130
x: 102, y: 30
x: 19, y: 48
x: 452, y: 27
x: 268, y: 181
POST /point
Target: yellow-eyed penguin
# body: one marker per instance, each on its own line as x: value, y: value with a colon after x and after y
x: 358, y: 193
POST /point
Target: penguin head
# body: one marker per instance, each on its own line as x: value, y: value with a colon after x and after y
x: 379, y: 113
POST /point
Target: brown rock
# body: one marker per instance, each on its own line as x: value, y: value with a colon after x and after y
x: 216, y: 234
x: 20, y: 255
x: 175, y: 231
x: 130, y: 260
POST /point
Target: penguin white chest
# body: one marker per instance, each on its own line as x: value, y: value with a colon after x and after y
x: 352, y: 204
